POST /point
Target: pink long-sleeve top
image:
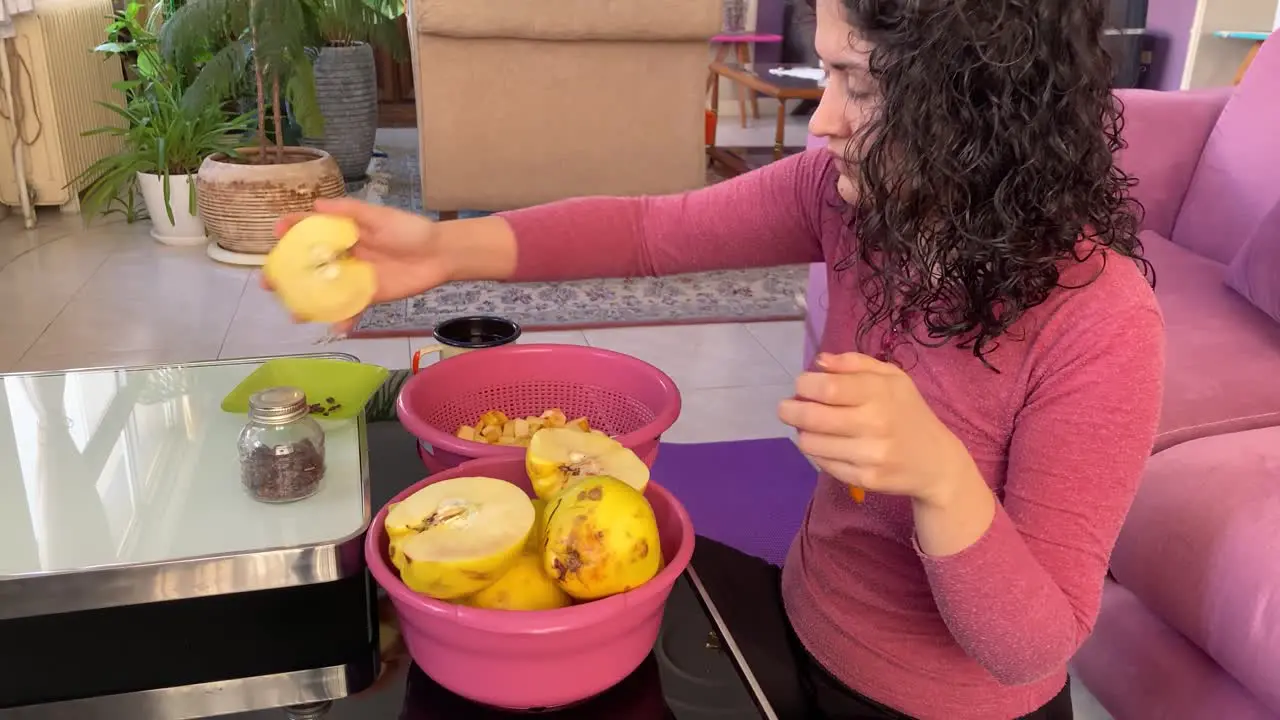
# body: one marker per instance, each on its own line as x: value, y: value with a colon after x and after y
x: 1061, y: 434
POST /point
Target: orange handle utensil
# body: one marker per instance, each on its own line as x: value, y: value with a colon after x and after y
x: 857, y: 493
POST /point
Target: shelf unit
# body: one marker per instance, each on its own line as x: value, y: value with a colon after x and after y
x: 1213, y: 61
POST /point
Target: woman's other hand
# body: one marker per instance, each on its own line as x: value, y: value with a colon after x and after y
x: 863, y: 422
x: 401, y: 246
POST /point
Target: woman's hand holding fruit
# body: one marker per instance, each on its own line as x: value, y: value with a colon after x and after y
x: 865, y: 424
x: 400, y: 246
x: 365, y: 254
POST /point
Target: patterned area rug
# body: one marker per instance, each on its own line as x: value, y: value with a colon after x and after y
x: 730, y: 296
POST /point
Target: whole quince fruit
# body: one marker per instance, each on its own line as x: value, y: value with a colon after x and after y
x: 601, y: 539
x: 524, y: 586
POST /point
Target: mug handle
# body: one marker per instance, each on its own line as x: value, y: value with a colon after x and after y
x: 417, y: 356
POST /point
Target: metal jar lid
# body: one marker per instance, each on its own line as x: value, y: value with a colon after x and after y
x: 278, y: 406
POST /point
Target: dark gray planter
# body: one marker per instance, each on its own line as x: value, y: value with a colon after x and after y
x: 347, y: 92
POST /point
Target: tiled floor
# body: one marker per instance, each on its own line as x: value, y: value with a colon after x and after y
x: 760, y: 132
x: 108, y: 295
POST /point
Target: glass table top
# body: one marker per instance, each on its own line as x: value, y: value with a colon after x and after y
x: 111, y: 468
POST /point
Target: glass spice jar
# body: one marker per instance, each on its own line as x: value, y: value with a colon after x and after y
x: 281, y: 447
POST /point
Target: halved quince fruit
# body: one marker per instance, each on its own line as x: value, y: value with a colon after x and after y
x: 559, y: 456
x: 523, y: 587
x: 463, y: 534
x: 315, y: 276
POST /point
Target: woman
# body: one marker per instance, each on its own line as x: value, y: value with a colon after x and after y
x: 991, y: 362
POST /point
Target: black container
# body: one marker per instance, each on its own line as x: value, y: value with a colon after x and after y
x: 476, y: 332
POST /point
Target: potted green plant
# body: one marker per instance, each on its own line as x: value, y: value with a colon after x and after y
x: 264, y: 44
x: 346, y: 76
x: 164, y: 140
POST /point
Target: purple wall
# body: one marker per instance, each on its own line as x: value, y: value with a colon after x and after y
x: 769, y: 14
x: 1169, y: 22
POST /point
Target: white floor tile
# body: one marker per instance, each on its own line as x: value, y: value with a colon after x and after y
x: 698, y: 356
x: 784, y: 341
x: 53, y: 271
x: 120, y: 322
x: 759, y: 132
x: 52, y: 225
x: 739, y: 413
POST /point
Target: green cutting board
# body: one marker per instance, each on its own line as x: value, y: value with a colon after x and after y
x: 350, y: 384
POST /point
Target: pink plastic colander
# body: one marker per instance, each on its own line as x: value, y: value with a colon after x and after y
x: 625, y: 397
x: 531, y: 660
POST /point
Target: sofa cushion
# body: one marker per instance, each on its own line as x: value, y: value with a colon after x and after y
x: 1255, y: 271
x: 692, y: 20
x: 1139, y: 667
x: 1238, y: 179
x: 1201, y: 549
x: 1223, y: 356
x: 1164, y: 134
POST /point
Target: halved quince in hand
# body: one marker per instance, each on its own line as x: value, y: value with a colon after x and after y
x: 315, y: 276
x: 463, y: 535
x: 557, y: 457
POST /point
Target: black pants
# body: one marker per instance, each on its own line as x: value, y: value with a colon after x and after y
x: 748, y: 593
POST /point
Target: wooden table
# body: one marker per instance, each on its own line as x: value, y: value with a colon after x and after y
x: 757, y: 78
x: 740, y: 44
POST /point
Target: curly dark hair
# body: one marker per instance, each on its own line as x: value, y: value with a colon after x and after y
x: 989, y: 155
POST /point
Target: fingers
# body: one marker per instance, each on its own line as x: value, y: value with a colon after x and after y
x: 815, y: 417
x: 845, y: 472
x: 858, y: 452
x: 852, y: 363
x: 838, y: 389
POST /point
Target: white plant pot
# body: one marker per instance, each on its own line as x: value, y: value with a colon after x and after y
x: 187, y: 229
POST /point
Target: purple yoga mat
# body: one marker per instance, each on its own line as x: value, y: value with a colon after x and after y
x: 750, y: 494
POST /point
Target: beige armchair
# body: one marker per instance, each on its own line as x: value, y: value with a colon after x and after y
x: 531, y: 101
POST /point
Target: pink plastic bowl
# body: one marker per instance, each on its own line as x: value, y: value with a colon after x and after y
x: 625, y: 397
x: 527, y: 660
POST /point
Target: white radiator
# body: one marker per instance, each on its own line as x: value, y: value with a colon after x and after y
x: 58, y: 80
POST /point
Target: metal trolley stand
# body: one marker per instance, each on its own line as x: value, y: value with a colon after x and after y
x: 139, y: 580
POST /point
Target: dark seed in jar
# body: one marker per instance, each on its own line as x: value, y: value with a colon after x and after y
x: 280, y: 474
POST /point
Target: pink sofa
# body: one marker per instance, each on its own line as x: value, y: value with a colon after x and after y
x: 1190, y: 626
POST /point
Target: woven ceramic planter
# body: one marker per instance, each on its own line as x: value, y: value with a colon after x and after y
x: 240, y: 200
x: 347, y: 92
